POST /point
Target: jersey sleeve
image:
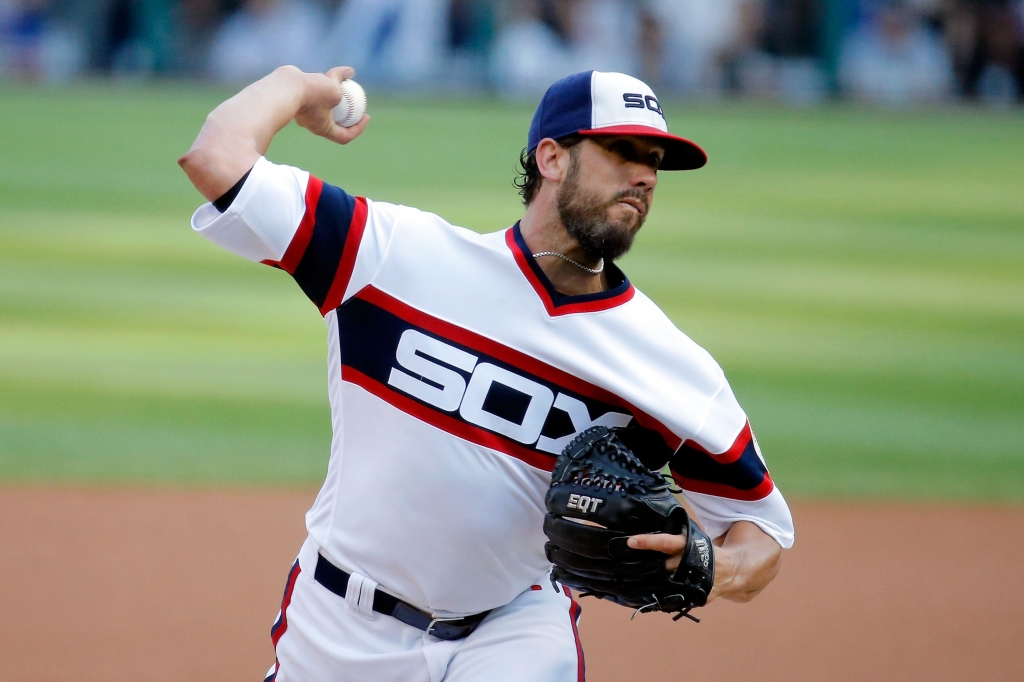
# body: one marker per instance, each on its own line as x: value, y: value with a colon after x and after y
x: 724, y: 477
x: 329, y: 241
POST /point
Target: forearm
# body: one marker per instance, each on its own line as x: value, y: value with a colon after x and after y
x: 240, y: 130
x: 745, y: 562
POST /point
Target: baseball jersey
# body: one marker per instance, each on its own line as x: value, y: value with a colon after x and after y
x: 457, y: 373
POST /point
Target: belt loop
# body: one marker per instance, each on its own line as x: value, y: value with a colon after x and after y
x: 359, y: 595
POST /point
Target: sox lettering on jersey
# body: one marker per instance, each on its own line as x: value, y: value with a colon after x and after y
x: 498, y: 397
x: 475, y: 388
x: 444, y: 388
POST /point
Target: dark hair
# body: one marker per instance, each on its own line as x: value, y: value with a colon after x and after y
x: 528, y: 176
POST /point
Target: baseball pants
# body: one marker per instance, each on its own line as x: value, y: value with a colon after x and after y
x: 322, y: 637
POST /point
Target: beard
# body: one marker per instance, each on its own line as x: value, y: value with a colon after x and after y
x: 586, y: 216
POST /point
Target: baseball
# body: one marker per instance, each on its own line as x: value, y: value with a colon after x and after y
x: 352, y: 107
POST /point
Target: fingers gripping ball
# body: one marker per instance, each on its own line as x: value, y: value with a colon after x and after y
x: 352, y: 107
x: 600, y: 495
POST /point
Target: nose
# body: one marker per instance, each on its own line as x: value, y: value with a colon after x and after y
x: 644, y: 176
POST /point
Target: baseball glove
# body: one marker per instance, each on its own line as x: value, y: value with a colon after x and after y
x: 600, y: 495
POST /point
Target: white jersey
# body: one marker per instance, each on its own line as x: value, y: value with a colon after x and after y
x: 456, y: 374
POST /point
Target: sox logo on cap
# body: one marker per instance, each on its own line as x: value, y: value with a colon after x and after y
x: 599, y: 103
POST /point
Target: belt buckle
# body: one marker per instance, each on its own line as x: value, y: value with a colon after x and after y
x: 434, y: 620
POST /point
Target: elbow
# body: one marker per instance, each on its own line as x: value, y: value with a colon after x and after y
x: 189, y: 161
x: 204, y: 162
x: 210, y: 134
x: 198, y: 164
x: 203, y: 153
x: 210, y: 167
x: 218, y: 158
x: 196, y: 161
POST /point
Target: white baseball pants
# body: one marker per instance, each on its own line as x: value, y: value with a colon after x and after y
x: 321, y: 637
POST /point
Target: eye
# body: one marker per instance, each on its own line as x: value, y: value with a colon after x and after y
x: 655, y: 159
x: 622, y: 148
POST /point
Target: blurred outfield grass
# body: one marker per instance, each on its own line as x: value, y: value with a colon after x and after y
x: 858, y: 274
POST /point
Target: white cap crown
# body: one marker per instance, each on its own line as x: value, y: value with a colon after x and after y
x: 620, y: 100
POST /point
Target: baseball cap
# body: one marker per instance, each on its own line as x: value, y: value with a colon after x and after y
x: 598, y: 103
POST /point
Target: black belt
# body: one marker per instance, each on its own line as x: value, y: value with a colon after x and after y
x: 336, y: 580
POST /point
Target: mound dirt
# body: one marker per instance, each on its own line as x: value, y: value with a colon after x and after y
x: 145, y: 585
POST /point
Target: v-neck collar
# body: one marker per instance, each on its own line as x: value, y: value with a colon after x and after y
x: 558, y: 303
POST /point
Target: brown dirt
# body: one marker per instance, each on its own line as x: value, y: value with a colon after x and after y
x: 169, y: 585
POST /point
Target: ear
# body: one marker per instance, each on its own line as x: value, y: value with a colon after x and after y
x: 552, y: 160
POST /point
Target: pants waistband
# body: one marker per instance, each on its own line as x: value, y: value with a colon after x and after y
x: 336, y: 580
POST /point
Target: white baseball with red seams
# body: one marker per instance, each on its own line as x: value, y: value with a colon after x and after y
x: 352, y: 107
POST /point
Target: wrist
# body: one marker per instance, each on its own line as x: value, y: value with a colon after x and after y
x: 292, y: 84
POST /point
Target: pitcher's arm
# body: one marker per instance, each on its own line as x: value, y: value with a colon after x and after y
x: 239, y: 131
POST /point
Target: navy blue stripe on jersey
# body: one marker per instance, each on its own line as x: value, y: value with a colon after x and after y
x: 738, y: 473
x: 474, y: 388
x: 316, y: 270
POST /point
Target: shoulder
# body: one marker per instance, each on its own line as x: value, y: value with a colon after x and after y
x: 644, y: 314
x: 415, y: 225
x: 682, y: 376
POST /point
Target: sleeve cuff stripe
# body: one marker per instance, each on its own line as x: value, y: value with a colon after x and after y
x: 348, y: 258
x: 759, y: 492
x: 734, y: 452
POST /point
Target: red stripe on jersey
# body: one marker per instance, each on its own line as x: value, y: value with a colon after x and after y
x: 734, y: 452
x: 513, y: 357
x: 549, y: 305
x: 297, y: 247
x: 523, y: 264
x: 456, y: 427
x: 348, y: 257
x: 761, y: 491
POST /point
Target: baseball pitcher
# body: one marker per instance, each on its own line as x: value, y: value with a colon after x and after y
x: 502, y: 404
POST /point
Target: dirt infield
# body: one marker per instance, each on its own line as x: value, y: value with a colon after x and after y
x: 157, y: 585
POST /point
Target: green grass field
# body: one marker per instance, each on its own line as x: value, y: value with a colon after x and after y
x: 858, y: 274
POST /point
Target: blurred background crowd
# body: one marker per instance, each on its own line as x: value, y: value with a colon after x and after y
x: 890, y: 52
